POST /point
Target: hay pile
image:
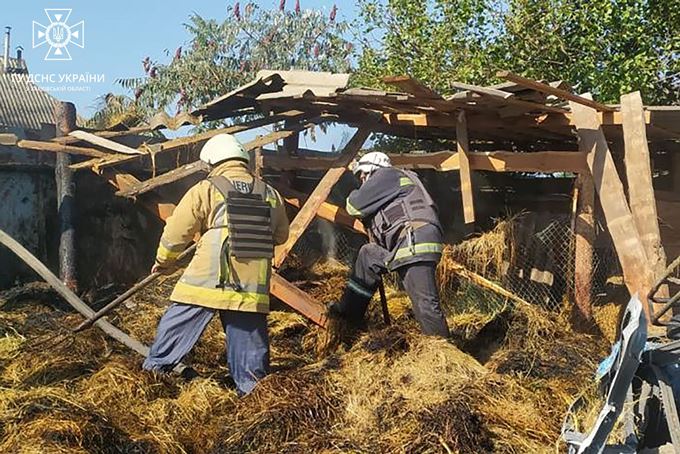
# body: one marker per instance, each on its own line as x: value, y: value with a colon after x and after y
x: 502, y: 386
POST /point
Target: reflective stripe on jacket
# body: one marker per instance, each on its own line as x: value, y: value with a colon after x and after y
x: 401, y: 215
x: 201, y: 209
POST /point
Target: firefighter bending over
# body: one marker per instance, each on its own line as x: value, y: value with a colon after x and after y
x: 406, y: 237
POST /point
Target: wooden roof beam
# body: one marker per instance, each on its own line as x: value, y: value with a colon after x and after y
x: 444, y: 161
x: 545, y: 88
x: 191, y: 140
x: 197, y: 166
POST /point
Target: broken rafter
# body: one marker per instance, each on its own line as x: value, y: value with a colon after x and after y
x: 320, y: 194
x: 39, y: 145
x: 104, y: 142
x: 545, y: 88
x: 68, y: 294
x: 198, y: 166
x: 326, y: 210
x: 193, y: 140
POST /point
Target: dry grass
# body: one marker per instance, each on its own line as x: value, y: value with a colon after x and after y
x: 504, y: 385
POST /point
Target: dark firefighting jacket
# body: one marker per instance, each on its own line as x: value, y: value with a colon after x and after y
x: 400, y: 214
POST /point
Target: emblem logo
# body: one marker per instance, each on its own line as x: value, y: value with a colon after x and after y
x: 58, y: 34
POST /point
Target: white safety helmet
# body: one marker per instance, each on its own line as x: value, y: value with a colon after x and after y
x: 370, y: 162
x: 222, y: 147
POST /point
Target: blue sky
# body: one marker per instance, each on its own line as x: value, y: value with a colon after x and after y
x: 118, y: 35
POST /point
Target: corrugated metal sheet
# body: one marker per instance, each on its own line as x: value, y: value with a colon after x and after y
x: 23, y: 104
x: 16, y: 66
x: 274, y: 84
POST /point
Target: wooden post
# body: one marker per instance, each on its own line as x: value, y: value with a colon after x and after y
x: 465, y: 176
x: 65, y: 122
x: 639, y: 175
x: 290, y: 148
x: 319, y: 195
x: 675, y: 169
x: 584, y: 232
x: 637, y: 274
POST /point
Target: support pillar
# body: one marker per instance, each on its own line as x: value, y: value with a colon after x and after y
x: 65, y: 122
x: 584, y: 233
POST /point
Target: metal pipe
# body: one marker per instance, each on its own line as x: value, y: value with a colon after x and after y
x: 6, y: 54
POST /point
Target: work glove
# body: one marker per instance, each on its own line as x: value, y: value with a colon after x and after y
x: 162, y: 269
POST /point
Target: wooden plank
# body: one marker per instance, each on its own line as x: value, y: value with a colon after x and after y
x: 104, y: 143
x: 167, y: 178
x: 303, y: 303
x: 584, y: 232
x: 68, y: 295
x: 675, y: 171
x: 412, y: 86
x: 444, y: 161
x: 545, y: 88
x: 8, y: 139
x: 197, y: 166
x: 639, y: 176
x: 39, y: 145
x: 197, y: 139
x: 637, y: 274
x: 482, y: 90
x: 326, y: 210
x: 320, y: 194
x: 465, y: 176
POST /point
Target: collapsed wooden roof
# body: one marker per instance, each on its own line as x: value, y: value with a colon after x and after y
x: 553, y: 129
x: 521, y: 112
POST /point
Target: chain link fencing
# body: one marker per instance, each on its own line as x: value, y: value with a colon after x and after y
x: 530, y: 255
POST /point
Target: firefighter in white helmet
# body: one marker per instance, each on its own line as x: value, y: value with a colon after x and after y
x: 407, y: 238
x: 240, y: 218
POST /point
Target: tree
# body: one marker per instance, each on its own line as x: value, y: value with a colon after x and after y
x: 607, y: 47
x: 437, y: 42
x: 222, y: 55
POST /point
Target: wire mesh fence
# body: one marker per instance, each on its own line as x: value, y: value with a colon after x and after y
x: 531, y: 255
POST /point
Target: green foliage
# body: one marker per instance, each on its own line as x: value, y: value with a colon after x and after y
x: 607, y: 47
x: 436, y: 41
x: 222, y: 55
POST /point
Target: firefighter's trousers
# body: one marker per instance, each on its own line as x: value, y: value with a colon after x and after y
x: 419, y: 280
x: 247, y: 341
